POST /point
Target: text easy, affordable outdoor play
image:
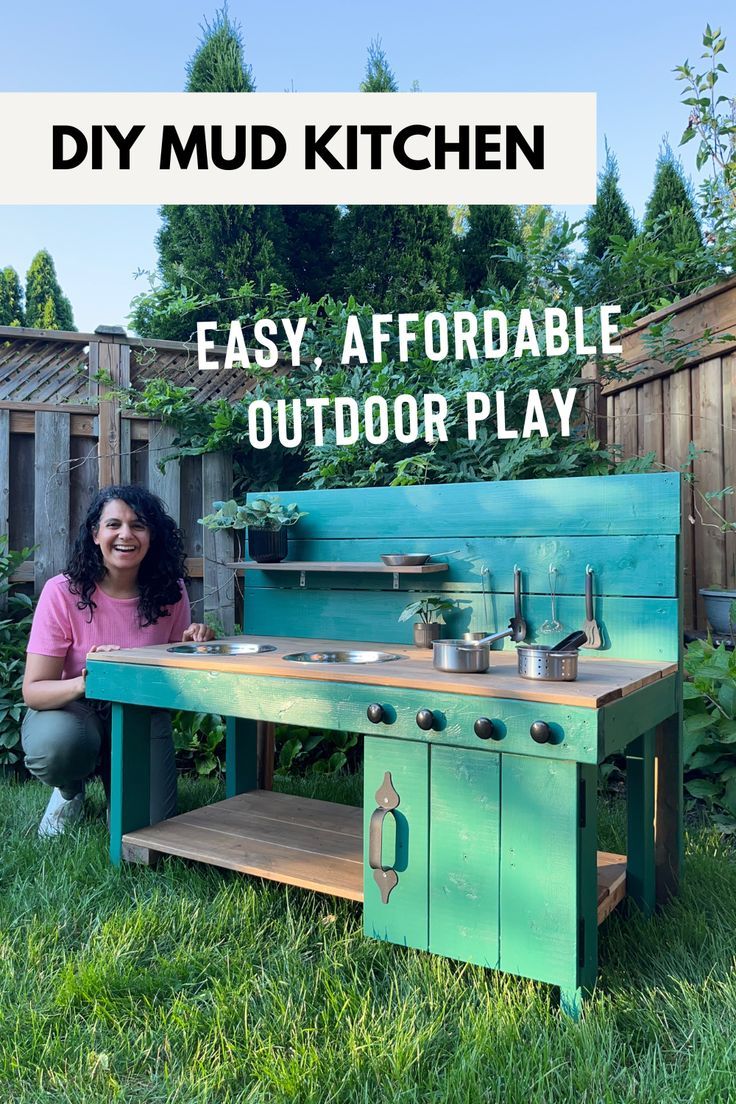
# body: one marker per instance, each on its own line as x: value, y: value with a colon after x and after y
x: 477, y: 839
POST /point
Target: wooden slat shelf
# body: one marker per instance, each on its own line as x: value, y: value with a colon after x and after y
x: 369, y: 567
x: 317, y: 845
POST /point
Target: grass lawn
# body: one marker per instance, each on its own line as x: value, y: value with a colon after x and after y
x: 191, y: 984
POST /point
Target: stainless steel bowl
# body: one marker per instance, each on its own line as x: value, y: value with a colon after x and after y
x: 214, y: 647
x: 414, y: 559
x: 546, y: 664
x: 356, y: 656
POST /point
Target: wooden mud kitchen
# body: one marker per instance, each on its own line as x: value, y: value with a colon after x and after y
x: 477, y: 839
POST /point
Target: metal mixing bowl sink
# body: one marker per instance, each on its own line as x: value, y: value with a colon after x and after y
x: 357, y: 656
x: 214, y: 648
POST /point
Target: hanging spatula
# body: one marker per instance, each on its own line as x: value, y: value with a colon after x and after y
x: 517, y: 623
x: 590, y: 625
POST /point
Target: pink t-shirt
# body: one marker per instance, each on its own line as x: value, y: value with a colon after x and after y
x: 60, y: 629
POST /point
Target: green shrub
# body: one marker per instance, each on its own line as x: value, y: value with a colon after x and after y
x: 15, y: 626
x: 710, y: 727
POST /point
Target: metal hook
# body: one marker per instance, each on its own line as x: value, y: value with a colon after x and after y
x: 588, y: 569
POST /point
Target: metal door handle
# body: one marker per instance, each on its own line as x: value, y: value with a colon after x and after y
x: 385, y: 877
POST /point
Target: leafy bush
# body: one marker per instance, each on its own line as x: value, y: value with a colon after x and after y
x: 14, y: 629
x: 199, y: 741
x: 710, y: 726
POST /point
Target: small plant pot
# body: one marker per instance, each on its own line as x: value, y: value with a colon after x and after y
x: 267, y: 545
x: 717, y: 606
x: 426, y: 633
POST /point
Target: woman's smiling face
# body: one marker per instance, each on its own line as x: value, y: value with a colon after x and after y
x: 122, y: 537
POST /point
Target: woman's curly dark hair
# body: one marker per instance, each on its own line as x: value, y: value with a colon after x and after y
x: 160, y: 571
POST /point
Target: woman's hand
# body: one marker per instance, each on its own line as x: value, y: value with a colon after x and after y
x: 198, y: 633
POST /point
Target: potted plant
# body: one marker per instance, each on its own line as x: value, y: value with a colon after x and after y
x: 428, y: 610
x: 266, y: 520
x: 720, y: 609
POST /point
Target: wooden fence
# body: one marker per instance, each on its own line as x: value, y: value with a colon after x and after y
x: 662, y: 406
x: 63, y: 435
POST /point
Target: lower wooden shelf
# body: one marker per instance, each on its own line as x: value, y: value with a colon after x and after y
x: 300, y: 841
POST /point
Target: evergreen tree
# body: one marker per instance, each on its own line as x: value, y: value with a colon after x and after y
x: 610, y: 216
x: 311, y: 234
x: 670, y: 219
x: 46, y: 305
x: 395, y: 257
x: 481, y: 261
x: 379, y: 76
x: 213, y: 250
x: 11, y: 298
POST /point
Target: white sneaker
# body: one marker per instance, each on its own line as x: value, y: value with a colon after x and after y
x: 61, y: 813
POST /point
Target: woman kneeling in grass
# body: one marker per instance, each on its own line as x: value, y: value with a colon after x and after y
x: 122, y: 588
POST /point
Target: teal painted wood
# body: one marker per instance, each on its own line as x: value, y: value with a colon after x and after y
x: 404, y: 919
x: 632, y: 628
x: 669, y: 837
x: 587, y: 875
x: 130, y: 781
x: 624, y: 504
x: 464, y: 853
x: 539, y: 870
x: 623, y: 720
x: 241, y: 756
x: 343, y: 705
x: 640, y: 876
x: 644, y: 567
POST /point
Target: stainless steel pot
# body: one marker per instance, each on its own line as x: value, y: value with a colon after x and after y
x: 465, y: 656
x: 555, y: 663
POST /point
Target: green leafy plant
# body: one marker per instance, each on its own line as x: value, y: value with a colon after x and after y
x: 199, y: 742
x: 259, y: 513
x: 710, y: 727
x: 427, y: 609
x: 324, y: 752
x: 15, y: 625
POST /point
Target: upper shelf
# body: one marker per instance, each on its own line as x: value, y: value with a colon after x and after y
x: 340, y: 565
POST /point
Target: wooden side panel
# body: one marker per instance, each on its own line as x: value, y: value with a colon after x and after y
x: 404, y: 919
x: 728, y: 364
x: 164, y: 484
x: 51, y: 506
x: 83, y: 481
x: 23, y: 490
x: 4, y: 487
x: 626, y: 504
x: 539, y: 869
x: 464, y: 857
x: 710, y: 551
x: 628, y: 422
x: 650, y: 420
x: 191, y: 508
x: 677, y: 436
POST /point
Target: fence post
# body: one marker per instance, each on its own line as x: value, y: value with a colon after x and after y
x: 4, y: 486
x: 219, y: 580
x: 109, y: 371
x: 164, y: 484
x: 51, y: 502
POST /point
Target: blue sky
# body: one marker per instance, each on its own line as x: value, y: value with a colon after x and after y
x: 624, y: 52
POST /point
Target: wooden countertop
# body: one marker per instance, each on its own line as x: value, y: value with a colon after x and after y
x: 599, y: 681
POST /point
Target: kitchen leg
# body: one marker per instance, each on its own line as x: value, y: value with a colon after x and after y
x: 241, y: 756
x: 668, y: 806
x: 640, y: 879
x: 130, y: 775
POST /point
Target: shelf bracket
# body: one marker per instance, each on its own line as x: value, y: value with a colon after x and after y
x: 302, y: 578
x: 396, y: 580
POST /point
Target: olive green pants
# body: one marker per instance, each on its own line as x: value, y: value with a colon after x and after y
x: 64, y: 747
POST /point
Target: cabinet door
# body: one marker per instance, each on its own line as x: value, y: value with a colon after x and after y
x: 464, y: 856
x: 403, y: 919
